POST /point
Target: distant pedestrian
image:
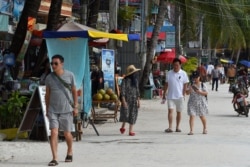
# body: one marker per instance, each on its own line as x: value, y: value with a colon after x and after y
x: 61, y: 105
x: 197, y: 102
x: 210, y: 67
x: 174, y: 92
x: 97, y: 81
x: 215, y: 77
x: 222, y: 74
x: 130, y: 99
x: 231, y: 74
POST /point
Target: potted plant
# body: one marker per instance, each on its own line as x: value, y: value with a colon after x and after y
x: 11, y: 113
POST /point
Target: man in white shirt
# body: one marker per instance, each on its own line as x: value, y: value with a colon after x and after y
x: 175, y: 87
x: 210, y: 67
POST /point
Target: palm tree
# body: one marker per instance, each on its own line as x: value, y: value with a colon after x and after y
x: 220, y: 22
x: 52, y: 25
x: 93, y: 13
x: 30, y: 10
x: 150, y: 52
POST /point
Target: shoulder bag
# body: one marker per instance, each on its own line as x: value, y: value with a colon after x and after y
x: 62, y: 85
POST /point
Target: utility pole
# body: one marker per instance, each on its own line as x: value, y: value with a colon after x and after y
x: 200, y: 37
x: 177, y: 31
x: 144, y: 4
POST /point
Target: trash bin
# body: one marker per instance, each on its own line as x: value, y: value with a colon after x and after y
x: 148, y: 92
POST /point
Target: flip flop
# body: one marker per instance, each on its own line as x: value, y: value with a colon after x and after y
x: 204, y: 132
x: 53, y: 163
x: 69, y: 158
x: 168, y: 130
x: 177, y: 130
x: 190, y: 133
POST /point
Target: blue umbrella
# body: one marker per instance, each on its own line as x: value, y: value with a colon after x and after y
x: 245, y: 63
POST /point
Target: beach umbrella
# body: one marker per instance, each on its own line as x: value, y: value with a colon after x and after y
x: 226, y: 61
x: 168, y: 56
x: 245, y: 63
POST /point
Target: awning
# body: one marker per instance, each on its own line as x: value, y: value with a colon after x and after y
x: 73, y: 29
x: 226, y: 61
x: 161, y: 36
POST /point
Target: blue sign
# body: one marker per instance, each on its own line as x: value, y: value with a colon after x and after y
x: 108, y: 68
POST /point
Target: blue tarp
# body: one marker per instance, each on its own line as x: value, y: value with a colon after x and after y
x: 245, y: 63
x: 76, y: 59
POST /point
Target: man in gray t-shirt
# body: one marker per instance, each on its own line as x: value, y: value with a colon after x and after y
x: 58, y: 108
x: 58, y: 101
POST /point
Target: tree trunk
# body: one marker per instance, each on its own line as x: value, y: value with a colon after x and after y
x: 83, y: 11
x: 52, y: 25
x: 150, y: 52
x: 30, y: 10
x: 93, y: 13
x: 237, y: 56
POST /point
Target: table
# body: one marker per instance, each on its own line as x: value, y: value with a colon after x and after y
x: 110, y: 114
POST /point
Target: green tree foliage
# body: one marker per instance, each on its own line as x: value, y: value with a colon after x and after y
x: 190, y: 65
x: 125, y: 16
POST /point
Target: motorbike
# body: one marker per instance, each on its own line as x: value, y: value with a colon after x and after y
x: 239, y: 102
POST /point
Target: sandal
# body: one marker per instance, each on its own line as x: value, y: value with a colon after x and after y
x: 168, y: 130
x: 122, y: 130
x: 204, y: 132
x: 53, y: 163
x: 190, y: 133
x: 69, y: 158
x: 177, y: 130
x: 131, y: 133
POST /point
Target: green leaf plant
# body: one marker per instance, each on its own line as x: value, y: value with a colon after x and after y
x: 12, y: 111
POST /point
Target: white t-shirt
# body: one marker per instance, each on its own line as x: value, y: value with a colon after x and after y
x: 210, y: 67
x: 176, y: 81
x: 221, y: 69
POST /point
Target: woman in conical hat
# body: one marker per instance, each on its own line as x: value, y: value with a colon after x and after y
x: 130, y: 99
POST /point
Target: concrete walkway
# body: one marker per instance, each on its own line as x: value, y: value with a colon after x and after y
x: 227, y: 143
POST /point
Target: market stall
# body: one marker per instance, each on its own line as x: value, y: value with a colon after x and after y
x: 73, y: 45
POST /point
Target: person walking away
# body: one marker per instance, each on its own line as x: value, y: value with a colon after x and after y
x: 174, y: 91
x: 197, y: 102
x: 210, y: 67
x: 61, y: 105
x: 222, y: 74
x: 97, y: 81
x: 130, y: 99
x: 215, y: 77
x: 231, y: 74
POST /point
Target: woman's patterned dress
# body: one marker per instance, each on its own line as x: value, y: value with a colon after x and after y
x: 131, y: 95
x: 197, y: 104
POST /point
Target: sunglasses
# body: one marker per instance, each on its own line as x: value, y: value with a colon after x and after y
x: 54, y: 63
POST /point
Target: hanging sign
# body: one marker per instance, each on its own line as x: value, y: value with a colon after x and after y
x: 108, y: 68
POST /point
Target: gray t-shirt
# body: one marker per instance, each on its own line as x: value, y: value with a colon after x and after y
x: 215, y: 73
x: 58, y: 102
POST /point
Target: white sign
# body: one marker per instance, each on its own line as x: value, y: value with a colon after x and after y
x: 41, y: 90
